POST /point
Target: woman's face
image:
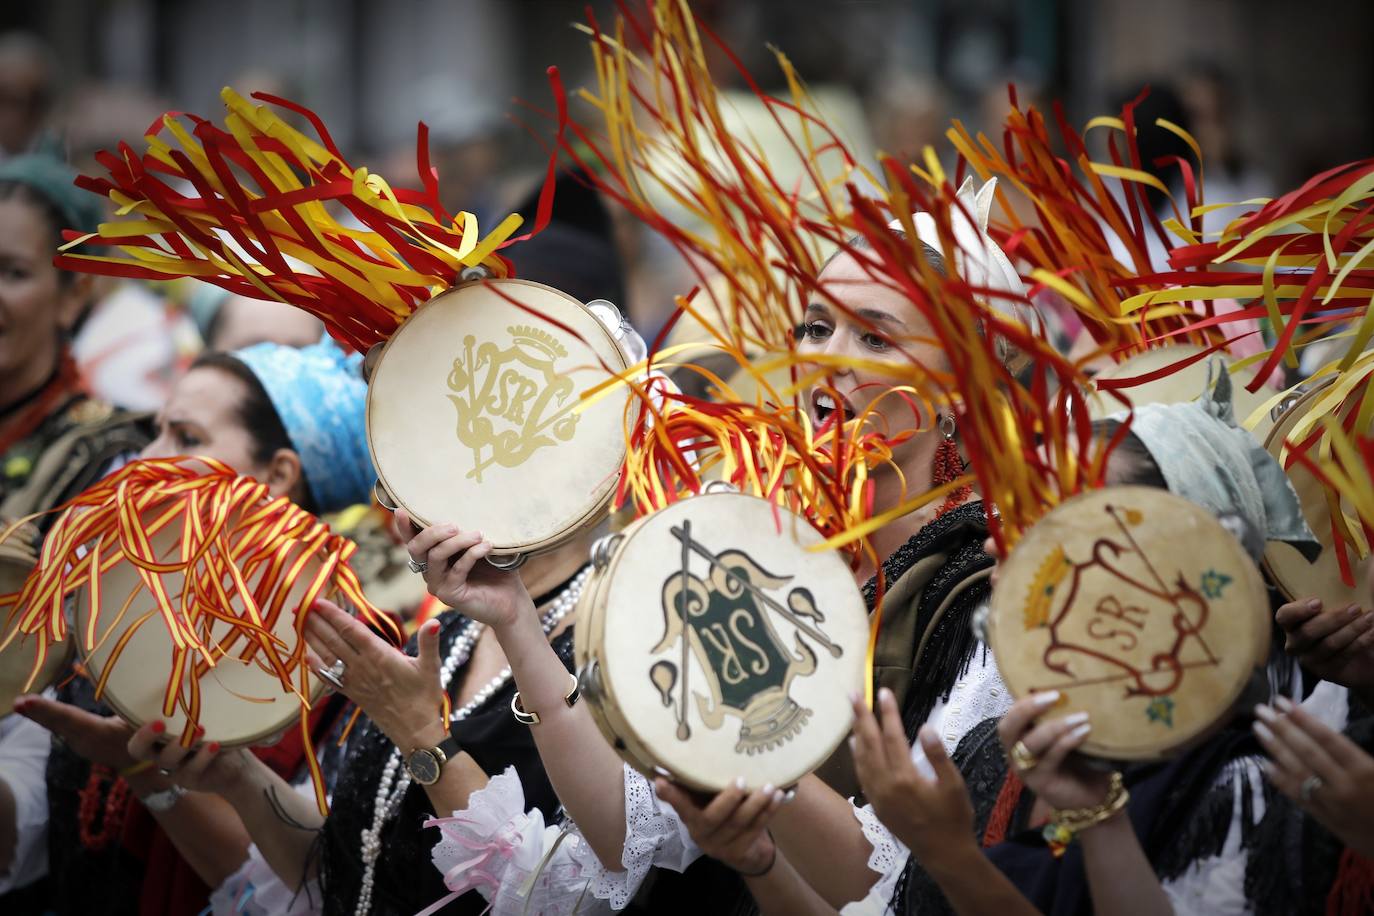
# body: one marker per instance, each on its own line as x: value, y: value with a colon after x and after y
x: 35, y: 306
x: 201, y: 417
x: 888, y: 317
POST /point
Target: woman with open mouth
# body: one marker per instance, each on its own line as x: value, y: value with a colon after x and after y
x: 936, y: 574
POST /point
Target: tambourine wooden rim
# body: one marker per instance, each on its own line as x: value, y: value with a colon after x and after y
x: 16, y: 661
x: 1289, y: 570
x: 1139, y: 608
x: 597, y: 478
x: 217, y: 716
x: 776, y: 732
x: 1178, y: 388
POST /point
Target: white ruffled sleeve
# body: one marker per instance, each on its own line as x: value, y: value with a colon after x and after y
x: 521, y: 865
x: 510, y: 857
x: 655, y: 837
x: 887, y: 860
x: 255, y: 890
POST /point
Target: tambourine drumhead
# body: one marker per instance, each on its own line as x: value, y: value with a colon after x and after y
x: 1178, y: 387
x: 1291, y: 572
x: 16, y: 661
x: 1138, y: 607
x: 742, y: 661
x: 241, y: 702
x: 474, y: 416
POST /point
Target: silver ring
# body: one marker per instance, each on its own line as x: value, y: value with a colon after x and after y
x: 1309, y: 786
x: 333, y: 674
x: 420, y: 568
x: 165, y: 773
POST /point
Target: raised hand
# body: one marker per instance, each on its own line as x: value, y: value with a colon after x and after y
x: 732, y: 827
x: 1326, y: 773
x: 400, y: 693
x: 1336, y: 644
x: 929, y: 815
x: 1040, y: 752
x: 455, y: 574
x: 204, y: 768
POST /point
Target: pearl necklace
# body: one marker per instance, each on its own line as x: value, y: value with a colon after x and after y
x: 395, y: 781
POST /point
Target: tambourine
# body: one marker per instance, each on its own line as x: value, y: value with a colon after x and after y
x: 1178, y: 387
x: 713, y: 643
x: 17, y: 659
x: 474, y: 414
x: 130, y: 656
x: 1289, y: 570
x: 1141, y: 609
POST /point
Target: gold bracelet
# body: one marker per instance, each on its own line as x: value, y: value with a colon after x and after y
x: 1065, y: 824
x: 531, y: 717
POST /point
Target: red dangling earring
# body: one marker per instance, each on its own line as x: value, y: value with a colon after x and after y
x: 948, y: 467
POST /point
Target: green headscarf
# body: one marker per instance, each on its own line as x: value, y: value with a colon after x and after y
x: 1206, y: 458
x: 54, y: 180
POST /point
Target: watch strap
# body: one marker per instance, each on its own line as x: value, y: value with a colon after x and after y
x: 449, y: 747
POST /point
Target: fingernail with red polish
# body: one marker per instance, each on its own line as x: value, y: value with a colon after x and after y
x: 200, y: 731
x: 159, y: 727
x: 214, y: 747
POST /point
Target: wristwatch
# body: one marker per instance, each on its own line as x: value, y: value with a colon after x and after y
x: 165, y: 800
x: 426, y: 763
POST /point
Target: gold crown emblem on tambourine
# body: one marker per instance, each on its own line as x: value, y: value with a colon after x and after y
x: 1138, y: 607
x: 511, y: 401
x: 744, y: 664
x: 475, y: 414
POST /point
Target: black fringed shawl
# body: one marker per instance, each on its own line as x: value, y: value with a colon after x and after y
x: 1182, y: 810
x: 957, y: 537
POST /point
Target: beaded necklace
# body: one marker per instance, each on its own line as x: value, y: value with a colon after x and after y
x: 395, y: 781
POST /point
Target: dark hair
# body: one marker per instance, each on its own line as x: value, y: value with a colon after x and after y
x: 256, y: 412
x: 52, y: 214
x: 1130, y: 456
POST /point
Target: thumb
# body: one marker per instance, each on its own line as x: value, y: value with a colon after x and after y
x: 428, y: 654
x: 946, y: 773
x: 59, y: 718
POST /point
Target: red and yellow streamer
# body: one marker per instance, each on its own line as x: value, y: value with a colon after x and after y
x: 241, y: 552
x: 250, y: 206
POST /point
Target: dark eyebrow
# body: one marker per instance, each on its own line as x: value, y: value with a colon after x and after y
x: 874, y: 315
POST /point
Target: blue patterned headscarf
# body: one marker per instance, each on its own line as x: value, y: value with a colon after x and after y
x: 320, y: 395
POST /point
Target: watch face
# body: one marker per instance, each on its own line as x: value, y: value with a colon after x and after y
x: 424, y: 767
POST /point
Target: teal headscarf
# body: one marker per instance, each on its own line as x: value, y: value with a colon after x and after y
x: 1207, y: 459
x: 55, y: 182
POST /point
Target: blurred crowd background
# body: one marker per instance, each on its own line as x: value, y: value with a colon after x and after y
x: 1274, y: 90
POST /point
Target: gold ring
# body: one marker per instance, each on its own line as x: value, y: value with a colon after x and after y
x: 1022, y: 757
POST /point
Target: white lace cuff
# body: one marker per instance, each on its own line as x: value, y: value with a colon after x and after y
x: 655, y: 837
x: 255, y: 890
x: 509, y: 856
x: 887, y: 860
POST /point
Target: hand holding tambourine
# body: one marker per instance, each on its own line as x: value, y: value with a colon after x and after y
x: 450, y: 559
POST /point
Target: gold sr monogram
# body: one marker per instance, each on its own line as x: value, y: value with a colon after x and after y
x: 511, y: 402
